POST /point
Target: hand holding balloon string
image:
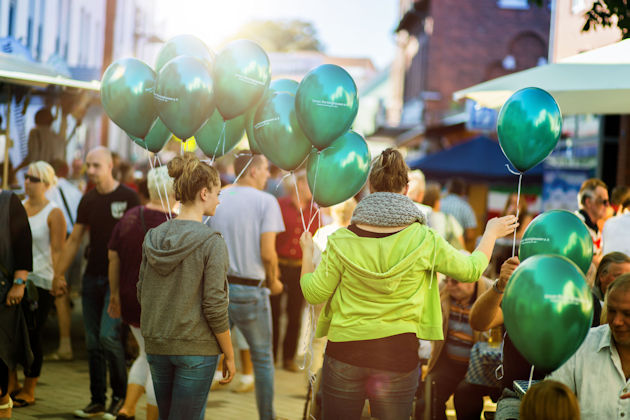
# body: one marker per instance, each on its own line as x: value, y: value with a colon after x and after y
x: 502, y: 226
x: 507, y: 268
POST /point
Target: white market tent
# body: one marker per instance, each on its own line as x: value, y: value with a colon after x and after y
x: 594, y: 82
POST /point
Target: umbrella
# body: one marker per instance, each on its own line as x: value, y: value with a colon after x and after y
x: 594, y: 82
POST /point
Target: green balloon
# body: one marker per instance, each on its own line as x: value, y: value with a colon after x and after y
x: 217, y: 136
x: 547, y: 310
x: 242, y: 74
x: 184, y: 45
x: 529, y: 126
x: 278, y: 85
x: 127, y: 95
x: 278, y: 133
x: 338, y: 172
x: 558, y: 232
x: 326, y: 102
x: 155, y: 140
x: 184, y: 95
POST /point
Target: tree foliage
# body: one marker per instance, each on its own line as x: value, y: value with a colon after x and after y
x: 607, y: 13
x: 281, y: 35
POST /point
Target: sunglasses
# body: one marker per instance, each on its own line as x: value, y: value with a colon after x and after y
x: 604, y: 202
x: 32, y: 178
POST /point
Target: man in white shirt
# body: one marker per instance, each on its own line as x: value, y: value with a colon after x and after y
x: 249, y: 219
x: 617, y: 231
x: 598, y: 372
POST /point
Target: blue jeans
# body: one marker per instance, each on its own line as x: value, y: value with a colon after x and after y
x: 182, y: 384
x: 251, y: 312
x: 345, y: 388
x: 103, y: 337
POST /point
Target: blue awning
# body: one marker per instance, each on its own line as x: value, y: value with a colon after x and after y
x: 478, y: 159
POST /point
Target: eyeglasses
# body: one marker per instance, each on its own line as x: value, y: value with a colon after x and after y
x: 32, y: 178
x: 605, y: 202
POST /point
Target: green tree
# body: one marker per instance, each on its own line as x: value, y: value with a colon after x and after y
x: 281, y: 35
x: 607, y: 13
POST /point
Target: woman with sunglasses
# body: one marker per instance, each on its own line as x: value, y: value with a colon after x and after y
x: 48, y: 228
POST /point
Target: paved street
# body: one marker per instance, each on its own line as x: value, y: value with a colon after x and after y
x: 64, y: 387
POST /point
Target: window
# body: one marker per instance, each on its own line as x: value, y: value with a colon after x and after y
x: 40, y: 28
x: 513, y: 4
x: 30, y: 24
x: 12, y: 13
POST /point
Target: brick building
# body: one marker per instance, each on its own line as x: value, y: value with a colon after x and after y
x: 448, y: 45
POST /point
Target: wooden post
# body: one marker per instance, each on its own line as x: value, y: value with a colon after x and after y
x: 108, y: 50
x: 7, y: 144
x: 623, y: 152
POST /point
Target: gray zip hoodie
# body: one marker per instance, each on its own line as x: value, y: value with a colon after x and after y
x: 182, y: 289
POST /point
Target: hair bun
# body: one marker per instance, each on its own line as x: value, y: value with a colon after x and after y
x: 176, y: 167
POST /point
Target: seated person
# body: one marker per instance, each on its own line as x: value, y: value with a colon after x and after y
x: 549, y: 400
x: 486, y: 313
x: 598, y: 372
x: 449, y: 358
x: 610, y: 267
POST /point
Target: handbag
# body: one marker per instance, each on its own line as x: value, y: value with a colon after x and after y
x: 484, y: 360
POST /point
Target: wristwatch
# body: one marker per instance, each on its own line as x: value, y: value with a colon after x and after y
x: 19, y: 281
x: 496, y: 287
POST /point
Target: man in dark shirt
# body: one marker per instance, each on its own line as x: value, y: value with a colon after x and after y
x: 99, y: 211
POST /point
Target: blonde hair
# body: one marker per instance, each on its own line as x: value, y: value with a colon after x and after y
x: 158, y: 181
x: 549, y: 400
x: 342, y: 212
x: 190, y: 176
x: 389, y: 172
x: 417, y: 183
x: 45, y: 172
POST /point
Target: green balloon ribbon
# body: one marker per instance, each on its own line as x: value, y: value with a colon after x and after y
x: 278, y: 133
x: 217, y: 136
x: 338, y: 172
x: 242, y: 73
x: 184, y: 95
x: 326, y: 102
x: 558, y: 232
x: 278, y: 85
x: 529, y: 126
x: 547, y: 310
x: 155, y: 140
x: 184, y: 45
x: 127, y: 95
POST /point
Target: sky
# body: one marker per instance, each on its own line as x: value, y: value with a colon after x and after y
x: 346, y: 28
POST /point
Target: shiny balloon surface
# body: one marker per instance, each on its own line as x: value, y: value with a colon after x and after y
x: 155, y: 140
x: 184, y: 45
x: 547, y: 310
x: 558, y: 232
x: 529, y: 127
x: 217, y: 136
x: 340, y: 171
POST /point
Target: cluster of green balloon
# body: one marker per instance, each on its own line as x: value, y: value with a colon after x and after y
x: 529, y: 126
x: 189, y: 86
x: 547, y: 310
x: 292, y: 122
x: 558, y: 232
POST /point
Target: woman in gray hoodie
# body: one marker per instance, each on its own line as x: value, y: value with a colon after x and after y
x: 183, y: 293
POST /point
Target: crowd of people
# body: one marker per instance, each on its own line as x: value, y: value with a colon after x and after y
x: 399, y: 282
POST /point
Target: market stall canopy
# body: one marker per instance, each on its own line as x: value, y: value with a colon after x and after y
x: 478, y: 159
x: 594, y: 82
x: 18, y: 70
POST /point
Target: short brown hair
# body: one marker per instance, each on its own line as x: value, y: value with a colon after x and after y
x: 588, y: 189
x: 606, y: 262
x: 389, y: 172
x: 241, y: 161
x: 190, y: 176
x: 432, y: 194
x: 549, y: 400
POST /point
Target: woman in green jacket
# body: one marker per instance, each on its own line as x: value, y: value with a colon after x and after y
x: 378, y: 280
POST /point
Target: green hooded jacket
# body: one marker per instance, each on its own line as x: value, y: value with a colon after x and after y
x: 379, y: 287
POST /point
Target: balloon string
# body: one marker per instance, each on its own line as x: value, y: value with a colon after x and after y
x: 221, y: 138
x: 297, y: 193
x: 313, y: 218
x: 518, y: 209
x: 319, y: 153
x: 249, y: 162
x: 531, y: 375
x: 152, y: 164
x: 181, y: 147
x: 281, y: 182
x: 168, y: 204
